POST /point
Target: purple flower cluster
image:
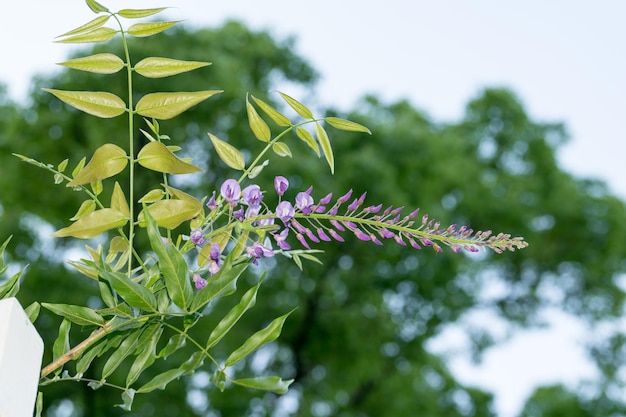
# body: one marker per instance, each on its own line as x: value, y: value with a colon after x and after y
x: 313, y: 222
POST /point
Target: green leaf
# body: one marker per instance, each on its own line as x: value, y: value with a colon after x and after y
x: 172, y: 264
x: 139, y: 13
x: 118, y: 200
x: 94, y: 36
x: 247, y: 301
x: 11, y: 287
x: 152, y: 196
x: 155, y: 67
x: 278, y: 118
x: 157, y: 157
x: 148, y: 341
x: 127, y: 347
x: 343, y: 124
x: 141, y: 30
x: 173, y: 344
x: 99, y: 63
x: 95, y: 6
x: 300, y: 108
x: 83, y: 316
x: 221, y: 284
x: 96, y: 103
x: 62, y: 342
x: 127, y: 399
x: 135, y: 294
x: 322, y: 137
x: 87, y: 27
x: 32, y: 311
x: 82, y: 364
x: 260, y: 338
x: 87, y: 207
x: 265, y: 383
x: 106, y: 293
x: 308, y: 139
x: 164, y: 106
x: 160, y: 381
x: 258, y: 126
x: 39, y: 404
x: 93, y: 224
x: 79, y: 167
x: 228, y: 153
x: 107, y: 161
x: 171, y: 213
x: 281, y: 149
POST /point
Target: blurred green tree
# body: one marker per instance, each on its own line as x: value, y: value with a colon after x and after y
x: 357, y: 345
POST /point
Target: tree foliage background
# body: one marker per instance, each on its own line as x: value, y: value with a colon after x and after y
x: 357, y: 344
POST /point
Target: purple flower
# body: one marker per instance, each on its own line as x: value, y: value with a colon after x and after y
x: 199, y: 282
x: 215, y: 258
x: 212, y: 204
x: 231, y: 191
x: 302, y: 240
x: 323, y: 235
x: 281, y: 239
x: 239, y: 214
x: 335, y: 235
x: 285, y: 211
x: 251, y: 195
x: 304, y: 201
x: 326, y: 199
x: 197, y: 237
x: 267, y: 221
x: 258, y: 251
x: 281, y: 184
x: 344, y: 197
x: 252, y: 212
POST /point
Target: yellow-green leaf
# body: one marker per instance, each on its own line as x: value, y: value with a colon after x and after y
x: 141, y: 30
x: 118, y: 200
x: 93, y: 224
x: 322, y: 137
x: 79, y: 167
x: 139, y: 13
x: 308, y: 139
x: 155, y: 67
x: 278, y: 118
x: 344, y: 124
x: 258, y: 126
x: 61, y: 167
x: 96, y: 103
x: 300, y: 108
x: 95, y: 6
x: 281, y: 149
x: 181, y: 195
x: 228, y: 153
x: 107, y: 160
x: 88, y: 206
x: 164, y: 106
x: 94, y: 36
x: 157, y: 157
x: 99, y: 63
x: 171, y: 213
x: 152, y: 196
x: 87, y: 27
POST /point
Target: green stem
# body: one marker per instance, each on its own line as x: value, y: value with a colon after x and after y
x: 131, y: 146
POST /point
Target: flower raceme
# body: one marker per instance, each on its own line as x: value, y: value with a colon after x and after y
x: 325, y: 221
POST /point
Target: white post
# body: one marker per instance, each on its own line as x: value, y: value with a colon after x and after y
x: 21, y: 351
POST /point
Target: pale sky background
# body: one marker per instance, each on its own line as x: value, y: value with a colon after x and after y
x: 564, y: 58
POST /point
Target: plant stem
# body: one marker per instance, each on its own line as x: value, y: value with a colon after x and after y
x: 76, y: 350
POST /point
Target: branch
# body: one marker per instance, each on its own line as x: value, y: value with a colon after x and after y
x: 76, y: 350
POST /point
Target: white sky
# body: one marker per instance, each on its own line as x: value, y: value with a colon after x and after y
x: 564, y: 58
